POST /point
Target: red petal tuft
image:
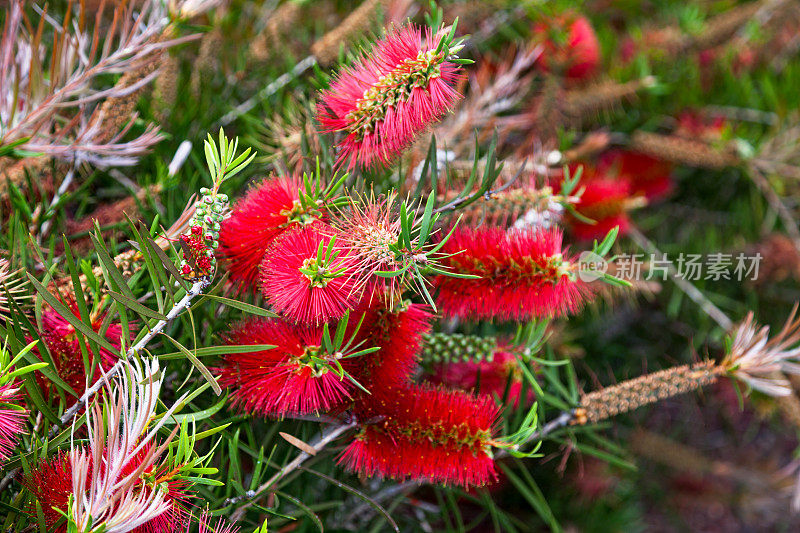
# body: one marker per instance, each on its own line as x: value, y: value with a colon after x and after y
x: 276, y: 382
x: 292, y: 293
x: 256, y: 220
x: 399, y: 334
x: 428, y: 434
x: 522, y: 275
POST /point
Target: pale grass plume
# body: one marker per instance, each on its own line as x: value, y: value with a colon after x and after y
x: 11, y: 283
x: 110, y: 499
x: 760, y: 361
x: 48, y: 91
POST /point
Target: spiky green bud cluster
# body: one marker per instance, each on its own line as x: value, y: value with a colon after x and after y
x: 209, y: 214
x: 456, y: 347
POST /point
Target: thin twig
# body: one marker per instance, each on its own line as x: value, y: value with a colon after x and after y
x: 317, y: 445
x: 281, y: 82
x: 690, y: 290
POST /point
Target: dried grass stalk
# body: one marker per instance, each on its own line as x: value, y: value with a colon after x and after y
x: 280, y: 23
x: 682, y: 151
x: 650, y: 388
x: 326, y: 49
x: 582, y: 105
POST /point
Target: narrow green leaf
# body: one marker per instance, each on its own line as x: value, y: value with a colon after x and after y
x: 242, y: 306
x: 198, y: 364
x: 136, y: 307
x: 74, y: 321
x: 167, y: 262
x: 109, y: 266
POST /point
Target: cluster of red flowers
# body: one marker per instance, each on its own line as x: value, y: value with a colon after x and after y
x: 619, y: 182
x: 314, y: 266
x: 61, y: 341
x: 197, y: 254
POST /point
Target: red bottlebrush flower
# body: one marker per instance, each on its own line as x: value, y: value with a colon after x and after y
x: 523, y: 274
x: 384, y: 101
x: 283, y: 380
x: 490, y: 377
x: 399, y: 334
x: 605, y: 201
x: 693, y: 125
x: 646, y: 175
x: 368, y: 230
x: 50, y: 483
x: 62, y: 343
x: 12, y: 420
x: 428, y: 434
x: 576, y: 51
x: 265, y: 212
x: 308, y: 277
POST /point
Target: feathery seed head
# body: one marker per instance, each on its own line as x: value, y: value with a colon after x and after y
x: 758, y: 360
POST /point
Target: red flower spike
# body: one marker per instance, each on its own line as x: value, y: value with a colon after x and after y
x: 428, y: 434
x: 399, y: 333
x: 579, y: 56
x: 605, y: 201
x: 303, y: 297
x: 485, y: 377
x: 281, y: 381
x: 523, y: 274
x: 263, y: 214
x: 384, y: 101
x: 645, y: 175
